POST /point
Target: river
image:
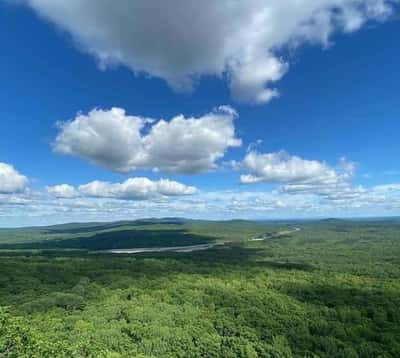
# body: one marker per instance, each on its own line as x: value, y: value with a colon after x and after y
x: 138, y: 250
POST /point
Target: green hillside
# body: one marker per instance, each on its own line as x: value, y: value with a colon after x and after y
x: 330, y: 289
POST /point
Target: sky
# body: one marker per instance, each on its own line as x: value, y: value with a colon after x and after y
x: 227, y: 109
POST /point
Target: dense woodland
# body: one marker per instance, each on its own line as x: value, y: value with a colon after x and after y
x: 331, y: 289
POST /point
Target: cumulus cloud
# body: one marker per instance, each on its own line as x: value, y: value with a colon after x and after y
x: 136, y: 189
x: 115, y: 140
x: 358, y: 198
x: 63, y: 191
x: 131, y: 189
x: 327, y: 185
x: 280, y: 167
x: 11, y: 181
x: 106, y: 137
x: 40, y: 208
x: 336, y: 183
x: 171, y: 39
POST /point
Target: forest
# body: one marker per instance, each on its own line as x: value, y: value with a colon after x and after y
x: 322, y: 288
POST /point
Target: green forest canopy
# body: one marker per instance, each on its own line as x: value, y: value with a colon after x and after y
x: 330, y: 289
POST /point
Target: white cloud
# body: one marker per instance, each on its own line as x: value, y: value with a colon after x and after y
x: 337, y: 183
x: 387, y: 188
x: 317, y: 188
x: 30, y: 208
x: 10, y: 180
x: 63, y: 191
x: 114, y: 140
x: 379, y: 198
x: 136, y: 189
x: 328, y: 186
x: 131, y: 189
x: 190, y: 145
x: 106, y: 137
x: 181, y: 40
x: 280, y: 167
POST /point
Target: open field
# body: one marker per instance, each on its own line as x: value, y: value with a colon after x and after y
x: 329, y: 289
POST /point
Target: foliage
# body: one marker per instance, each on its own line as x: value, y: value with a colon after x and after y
x: 331, y: 289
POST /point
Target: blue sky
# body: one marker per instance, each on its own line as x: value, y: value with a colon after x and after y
x: 327, y: 145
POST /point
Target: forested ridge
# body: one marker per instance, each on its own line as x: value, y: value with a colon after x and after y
x: 330, y: 289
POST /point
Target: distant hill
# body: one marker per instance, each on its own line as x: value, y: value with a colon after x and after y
x: 333, y: 220
x: 152, y: 232
x: 165, y: 232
